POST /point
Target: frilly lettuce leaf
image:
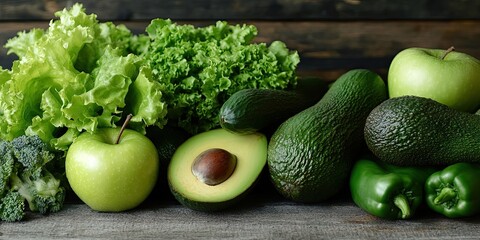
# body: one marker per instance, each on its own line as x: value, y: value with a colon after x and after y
x: 75, y: 76
x: 199, y: 68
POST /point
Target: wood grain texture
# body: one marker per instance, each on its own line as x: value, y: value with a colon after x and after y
x: 262, y: 214
x: 329, y: 48
x: 255, y: 10
x: 258, y: 217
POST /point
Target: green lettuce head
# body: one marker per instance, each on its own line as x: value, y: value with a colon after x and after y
x: 201, y: 67
x: 76, y: 76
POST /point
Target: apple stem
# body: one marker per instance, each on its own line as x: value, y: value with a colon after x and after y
x: 449, y: 50
x: 127, y: 120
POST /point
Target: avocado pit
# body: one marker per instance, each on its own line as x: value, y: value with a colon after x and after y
x: 214, y: 166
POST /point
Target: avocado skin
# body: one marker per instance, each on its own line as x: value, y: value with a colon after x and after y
x: 211, y: 206
x: 417, y: 131
x: 251, y: 110
x: 311, y: 154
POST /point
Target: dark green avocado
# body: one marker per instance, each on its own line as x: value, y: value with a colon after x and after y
x: 311, y: 154
x: 252, y: 110
x: 418, y: 131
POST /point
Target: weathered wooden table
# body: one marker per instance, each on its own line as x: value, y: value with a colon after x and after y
x: 262, y: 215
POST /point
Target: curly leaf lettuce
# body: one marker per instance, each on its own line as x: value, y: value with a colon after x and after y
x: 75, y: 76
x: 199, y: 68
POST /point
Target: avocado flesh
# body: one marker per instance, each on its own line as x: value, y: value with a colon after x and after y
x: 418, y: 131
x: 250, y: 151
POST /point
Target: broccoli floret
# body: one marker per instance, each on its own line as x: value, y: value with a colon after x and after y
x: 12, y: 207
x: 25, y: 172
x: 7, y: 162
x: 43, y: 194
x: 31, y: 152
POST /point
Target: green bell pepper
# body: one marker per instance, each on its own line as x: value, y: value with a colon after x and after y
x: 387, y: 191
x: 455, y: 190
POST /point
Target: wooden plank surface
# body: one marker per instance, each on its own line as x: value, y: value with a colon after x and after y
x: 260, y: 216
x: 329, y: 48
x: 240, y: 9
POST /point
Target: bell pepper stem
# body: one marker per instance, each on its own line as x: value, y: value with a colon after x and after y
x: 401, y: 202
x: 445, y: 195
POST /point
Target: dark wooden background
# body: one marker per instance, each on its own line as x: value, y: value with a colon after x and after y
x: 331, y: 36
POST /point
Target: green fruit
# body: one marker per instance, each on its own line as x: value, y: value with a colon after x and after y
x: 311, y: 154
x: 251, y: 110
x: 446, y: 76
x: 110, y: 176
x: 213, y: 170
x: 418, y: 131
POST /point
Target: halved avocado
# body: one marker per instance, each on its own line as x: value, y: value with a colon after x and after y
x: 221, y: 150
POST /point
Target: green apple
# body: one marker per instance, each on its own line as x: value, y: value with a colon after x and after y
x: 446, y: 76
x: 110, y: 176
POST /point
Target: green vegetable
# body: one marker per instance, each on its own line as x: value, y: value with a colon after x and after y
x: 201, y: 67
x: 310, y: 155
x: 454, y: 191
x: 418, y: 131
x: 12, y: 207
x: 214, y: 170
x: 387, y: 191
x: 75, y: 76
x: 29, y: 175
x: 251, y: 110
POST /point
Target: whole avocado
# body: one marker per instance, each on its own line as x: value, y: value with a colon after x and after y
x: 419, y: 131
x: 310, y: 155
x: 255, y: 109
